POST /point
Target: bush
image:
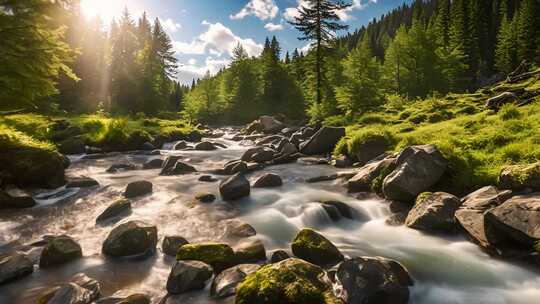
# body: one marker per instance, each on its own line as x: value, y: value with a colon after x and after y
x: 370, y: 119
x: 351, y: 144
x: 509, y: 111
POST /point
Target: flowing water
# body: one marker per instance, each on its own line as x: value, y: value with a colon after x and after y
x: 446, y: 270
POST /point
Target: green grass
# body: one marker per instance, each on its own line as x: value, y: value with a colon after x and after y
x: 478, y: 142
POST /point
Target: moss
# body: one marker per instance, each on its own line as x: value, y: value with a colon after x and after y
x: 291, y: 281
x: 219, y: 255
x: 521, y: 176
x: 377, y: 183
x: 422, y: 196
x: 315, y: 248
x: 537, y: 246
x: 355, y: 139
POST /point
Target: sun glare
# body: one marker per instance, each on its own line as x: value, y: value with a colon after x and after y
x: 104, y: 9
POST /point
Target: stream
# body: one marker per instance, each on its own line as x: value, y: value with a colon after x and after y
x: 446, y: 270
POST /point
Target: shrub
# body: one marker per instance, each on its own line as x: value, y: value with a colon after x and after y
x: 351, y: 144
x: 509, y: 111
x: 370, y: 119
x: 418, y: 118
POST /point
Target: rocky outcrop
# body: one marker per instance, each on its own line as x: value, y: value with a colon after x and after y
x: 181, y: 168
x: 219, y: 256
x: 323, y: 141
x: 234, y: 187
x: 115, y: 210
x: 14, y: 266
x: 171, y: 244
x: 315, y: 248
x: 188, y: 275
x: 364, y: 280
x: 518, y: 218
x: 364, y: 178
x: 289, y: 281
x: 268, y: 180
x: 418, y: 168
x: 471, y: 215
x: 434, y: 211
x: 519, y: 177
x: 59, y: 250
x: 138, y: 188
x: 80, y: 290
x: 250, y: 251
x: 132, y: 238
x: 225, y: 283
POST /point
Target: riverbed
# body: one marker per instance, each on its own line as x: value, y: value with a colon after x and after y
x: 446, y: 269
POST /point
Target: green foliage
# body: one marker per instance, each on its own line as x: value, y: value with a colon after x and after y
x: 509, y: 111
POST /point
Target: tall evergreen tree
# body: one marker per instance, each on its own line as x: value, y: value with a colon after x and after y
x: 506, y: 52
x: 528, y: 30
x: 318, y: 22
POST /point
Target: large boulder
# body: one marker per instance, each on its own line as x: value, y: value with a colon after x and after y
x: 270, y: 124
x: 315, y: 248
x: 434, y: 211
x: 322, y: 142
x: 234, y: 187
x: 138, y: 188
x: 188, y: 275
x: 248, y: 155
x: 518, y: 218
x: 364, y: 177
x: 181, y: 145
x: 219, y: 256
x: 80, y: 290
x: 171, y: 244
x: 235, y: 167
x: 59, y: 250
x: 225, y: 283
x: 15, y: 202
x: 130, y: 239
x: 418, y: 169
x: 471, y: 215
x: 238, y: 229
x: 250, y: 251
x: 14, y: 266
x: 371, y: 148
x: 263, y: 156
x: 292, y: 281
x: 268, y: 180
x: 116, y: 209
x: 205, y: 146
x: 31, y: 164
x: 519, y: 177
x: 372, y: 281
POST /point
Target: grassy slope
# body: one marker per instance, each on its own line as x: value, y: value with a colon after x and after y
x: 478, y: 142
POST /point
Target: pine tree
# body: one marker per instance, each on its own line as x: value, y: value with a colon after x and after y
x: 506, y: 53
x: 317, y: 22
x: 287, y: 59
x: 528, y: 30
x: 443, y: 23
x: 27, y: 72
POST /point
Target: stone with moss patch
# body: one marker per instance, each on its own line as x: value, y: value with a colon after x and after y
x: 519, y: 177
x: 220, y: 256
x: 315, y: 248
x: 59, y: 250
x: 292, y: 281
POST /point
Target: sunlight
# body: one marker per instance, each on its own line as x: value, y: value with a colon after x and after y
x: 104, y: 9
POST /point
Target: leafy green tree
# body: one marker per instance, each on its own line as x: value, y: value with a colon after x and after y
x: 361, y: 88
x: 33, y: 52
x: 318, y: 22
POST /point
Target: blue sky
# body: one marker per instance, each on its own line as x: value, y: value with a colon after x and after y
x: 205, y: 31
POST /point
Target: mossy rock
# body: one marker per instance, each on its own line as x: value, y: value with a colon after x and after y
x: 220, y: 256
x: 519, y: 177
x: 292, y: 281
x: 60, y: 250
x: 315, y: 248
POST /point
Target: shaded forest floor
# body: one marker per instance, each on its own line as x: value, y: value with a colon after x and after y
x: 479, y: 142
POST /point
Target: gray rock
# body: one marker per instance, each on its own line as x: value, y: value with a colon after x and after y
x: 250, y: 251
x: 82, y: 290
x: 181, y: 145
x: 434, y: 211
x: 236, y: 167
x: 169, y: 164
x: 372, y: 281
x: 315, y: 248
x: 181, y: 168
x: 278, y: 256
x: 270, y: 124
x: 121, y: 167
x: 188, y: 275
x: 471, y: 215
x: 370, y: 149
x: 15, y: 202
x: 338, y: 210
x: 247, y: 156
x: 238, y: 229
x: 59, y: 250
x: 234, y: 187
x: 14, y: 266
x: 138, y: 188
x: 116, y: 209
x: 268, y: 180
x: 519, y: 177
x: 130, y: 239
x: 81, y: 182
x: 155, y: 163
x: 364, y: 177
x: 171, y: 243
x: 205, y: 146
x: 224, y: 284
x: 136, y: 298
x: 322, y: 142
x: 263, y: 156
x: 418, y: 169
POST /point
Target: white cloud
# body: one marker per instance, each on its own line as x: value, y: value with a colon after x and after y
x: 170, y: 25
x: 293, y: 12
x: 273, y: 27
x: 192, y: 61
x: 306, y: 48
x: 262, y: 9
x: 217, y: 40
